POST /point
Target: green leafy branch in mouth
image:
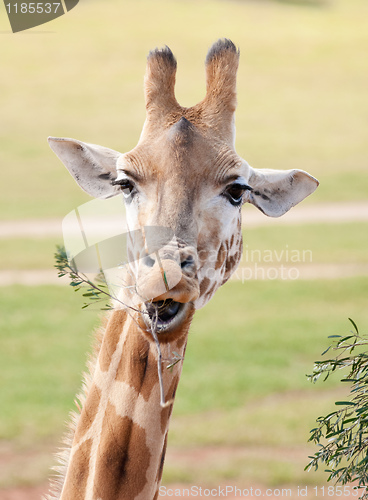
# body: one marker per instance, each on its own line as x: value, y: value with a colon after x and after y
x: 99, y: 292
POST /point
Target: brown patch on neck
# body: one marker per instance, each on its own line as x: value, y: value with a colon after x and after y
x: 138, y: 367
x: 78, y: 473
x: 123, y: 458
x: 111, y: 338
x: 88, y: 413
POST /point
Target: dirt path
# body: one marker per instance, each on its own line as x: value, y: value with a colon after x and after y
x: 243, y: 274
x: 231, y: 489
x: 331, y: 213
x: 24, y: 493
x: 309, y: 214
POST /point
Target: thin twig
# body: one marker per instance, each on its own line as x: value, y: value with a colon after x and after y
x: 163, y: 403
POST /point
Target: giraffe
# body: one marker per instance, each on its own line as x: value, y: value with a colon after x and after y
x: 185, y: 175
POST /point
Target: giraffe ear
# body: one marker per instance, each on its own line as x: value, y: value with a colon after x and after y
x: 274, y: 192
x: 93, y: 167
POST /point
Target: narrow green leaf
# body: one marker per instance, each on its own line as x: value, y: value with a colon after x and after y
x: 324, y: 352
x: 354, y: 325
x: 344, y: 339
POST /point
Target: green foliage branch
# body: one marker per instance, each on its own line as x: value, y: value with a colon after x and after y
x: 99, y: 292
x: 342, y: 435
x: 95, y: 291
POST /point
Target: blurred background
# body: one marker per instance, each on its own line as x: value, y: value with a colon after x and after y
x: 244, y: 407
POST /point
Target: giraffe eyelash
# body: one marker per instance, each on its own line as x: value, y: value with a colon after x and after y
x: 234, y: 192
x: 127, y: 186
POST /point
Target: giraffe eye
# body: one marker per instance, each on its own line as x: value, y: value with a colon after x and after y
x: 234, y: 192
x: 126, y: 185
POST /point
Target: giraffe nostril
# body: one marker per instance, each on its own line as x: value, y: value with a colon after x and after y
x: 148, y: 261
x: 188, y: 262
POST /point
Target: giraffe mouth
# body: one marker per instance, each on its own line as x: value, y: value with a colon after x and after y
x: 165, y: 314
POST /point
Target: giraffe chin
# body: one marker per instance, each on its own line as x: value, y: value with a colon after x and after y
x: 171, y: 321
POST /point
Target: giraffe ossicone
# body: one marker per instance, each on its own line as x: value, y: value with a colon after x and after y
x: 184, y: 178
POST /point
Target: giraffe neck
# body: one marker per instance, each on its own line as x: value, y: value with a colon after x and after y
x: 118, y: 447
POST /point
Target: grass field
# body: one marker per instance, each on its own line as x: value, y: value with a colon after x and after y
x: 302, y: 89
x: 243, y: 383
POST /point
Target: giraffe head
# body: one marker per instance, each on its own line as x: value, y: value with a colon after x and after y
x: 184, y: 177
